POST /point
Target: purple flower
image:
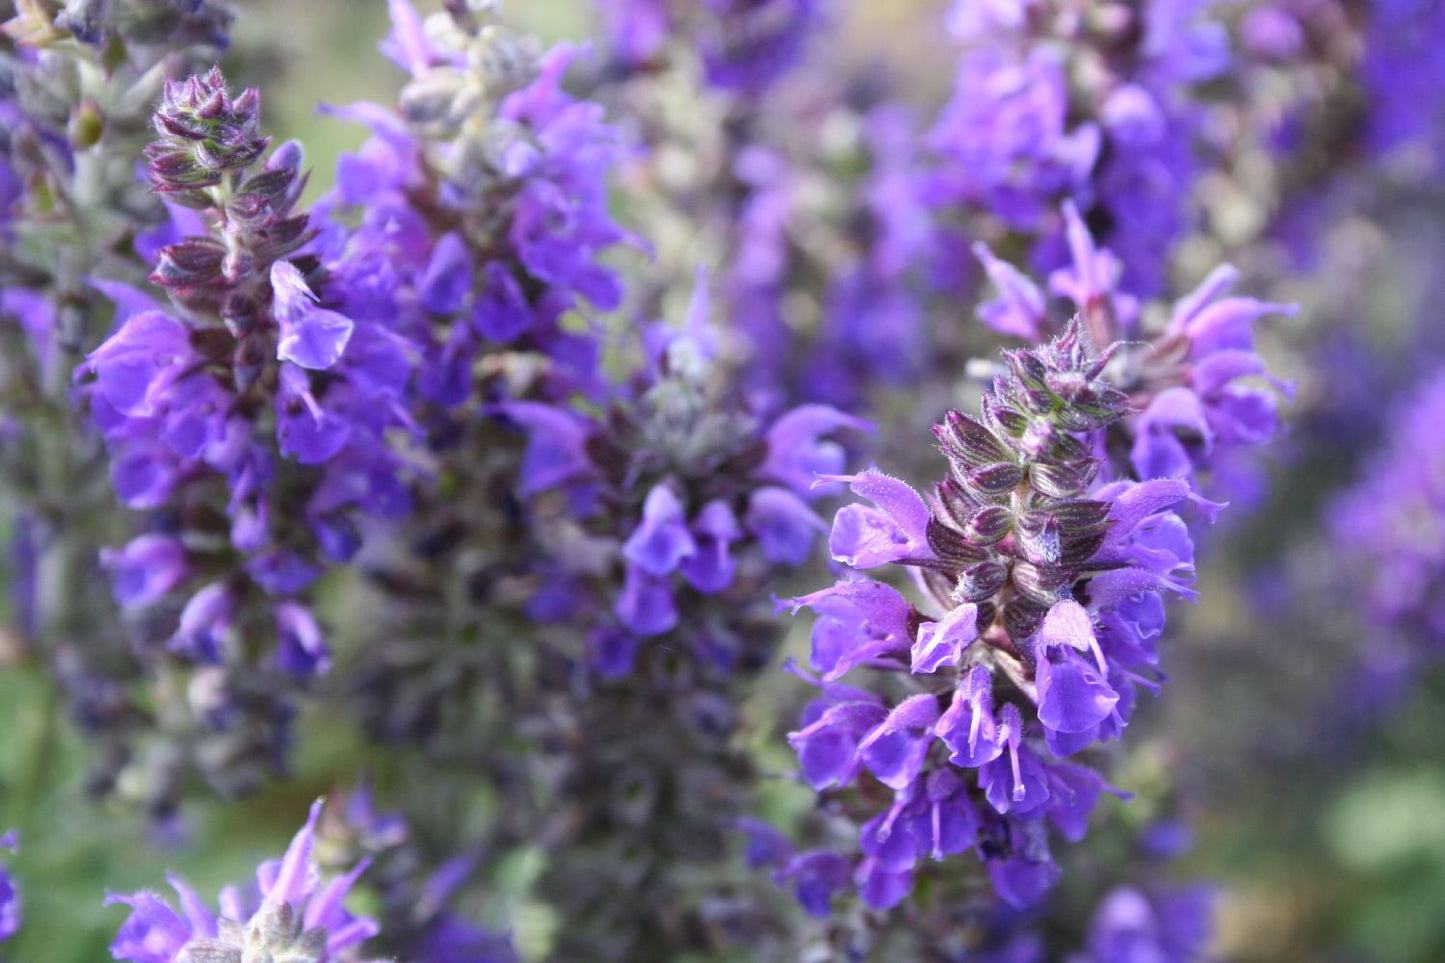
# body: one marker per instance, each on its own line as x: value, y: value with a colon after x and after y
x: 800, y: 449
x: 827, y: 745
x: 646, y: 605
x: 896, y: 529
x: 661, y: 541
x: 146, y: 569
x: 1018, y: 310
x: 311, y: 337
x: 556, y: 450
x: 711, y: 567
x: 784, y: 525
x: 859, y: 620
x: 943, y: 642
x: 137, y: 365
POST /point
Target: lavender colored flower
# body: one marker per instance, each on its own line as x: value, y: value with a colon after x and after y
x: 686, y: 486
x: 290, y: 915
x: 250, y: 420
x: 457, y: 285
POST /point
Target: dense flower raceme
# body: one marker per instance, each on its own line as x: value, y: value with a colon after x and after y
x: 1053, y: 103
x: 679, y: 491
x: 1043, y: 588
x: 483, y: 203
x: 79, y: 86
x: 9, y: 896
x: 1198, y: 391
x: 808, y: 202
x: 665, y: 522
x: 291, y: 915
x: 745, y: 45
x: 247, y: 420
x: 474, y: 220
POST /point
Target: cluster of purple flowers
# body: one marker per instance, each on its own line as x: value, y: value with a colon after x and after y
x: 1043, y: 590
x: 1197, y: 388
x: 289, y: 915
x: 1053, y: 102
x: 482, y: 207
x: 695, y: 493
x: 243, y: 409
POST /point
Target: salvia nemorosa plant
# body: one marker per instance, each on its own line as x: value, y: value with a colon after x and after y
x: 665, y: 518
x: 78, y: 82
x: 233, y: 412
x: 1041, y: 584
x: 408, y: 490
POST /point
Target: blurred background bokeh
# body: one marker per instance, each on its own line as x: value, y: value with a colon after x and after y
x: 1316, y: 789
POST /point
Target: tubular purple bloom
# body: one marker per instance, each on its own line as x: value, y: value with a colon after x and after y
x: 897, y: 529
x: 799, y: 449
x: 311, y: 337
x: 137, y: 365
x: 783, y: 524
x: 942, y: 643
x: 661, y: 541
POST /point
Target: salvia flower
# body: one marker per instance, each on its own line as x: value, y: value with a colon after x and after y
x: 1042, y: 588
x: 248, y: 419
x: 1101, y: 110
x: 290, y: 915
x: 508, y: 239
x: 688, y: 484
